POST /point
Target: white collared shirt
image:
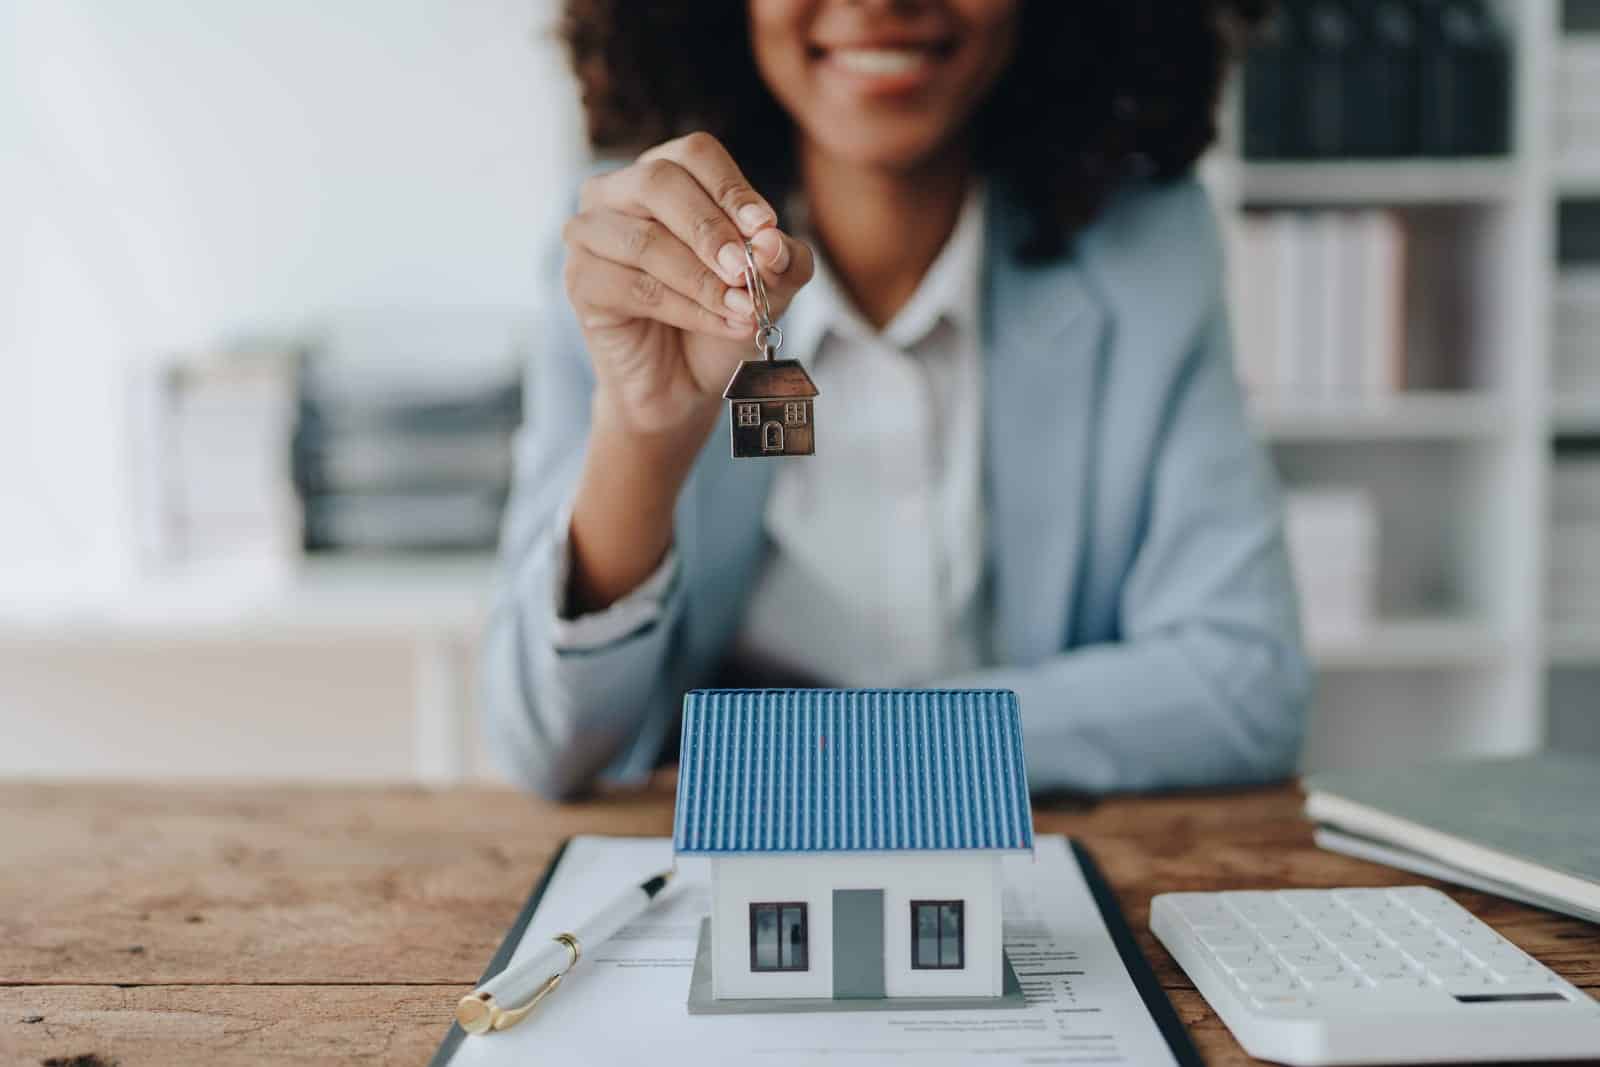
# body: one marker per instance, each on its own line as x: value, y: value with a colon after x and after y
x: 875, y: 570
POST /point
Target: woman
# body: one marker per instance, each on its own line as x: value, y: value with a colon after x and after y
x: 1033, y: 469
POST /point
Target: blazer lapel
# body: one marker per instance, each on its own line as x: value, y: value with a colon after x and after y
x: 1045, y: 343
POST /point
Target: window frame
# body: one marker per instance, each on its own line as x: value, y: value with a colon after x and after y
x: 805, y: 936
x: 960, y: 907
x: 794, y: 413
x: 748, y: 413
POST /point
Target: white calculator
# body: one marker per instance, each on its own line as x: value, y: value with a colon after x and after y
x: 1337, y: 976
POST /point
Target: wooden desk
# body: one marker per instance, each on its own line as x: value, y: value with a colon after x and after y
x: 336, y: 926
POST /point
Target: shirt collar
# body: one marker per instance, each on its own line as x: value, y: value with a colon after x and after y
x: 949, y: 291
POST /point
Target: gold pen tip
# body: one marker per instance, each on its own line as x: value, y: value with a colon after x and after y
x: 475, y: 1013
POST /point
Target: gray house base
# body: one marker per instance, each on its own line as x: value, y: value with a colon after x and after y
x: 701, y: 1002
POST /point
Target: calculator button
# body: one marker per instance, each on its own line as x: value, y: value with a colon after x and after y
x: 1405, y: 925
x: 1261, y: 910
x: 1224, y: 938
x: 1439, y: 956
x: 1194, y: 905
x: 1287, y: 937
x: 1286, y: 1003
x: 1341, y: 983
x: 1420, y: 937
x: 1268, y: 984
x: 1301, y: 960
x: 1429, y: 902
x: 1375, y: 959
x: 1239, y: 959
x: 1399, y: 978
x: 1355, y: 898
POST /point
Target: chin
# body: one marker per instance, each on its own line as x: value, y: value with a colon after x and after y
x: 895, y: 147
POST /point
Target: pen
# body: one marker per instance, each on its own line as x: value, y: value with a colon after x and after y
x: 504, y: 999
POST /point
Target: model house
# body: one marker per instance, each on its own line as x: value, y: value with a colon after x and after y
x: 855, y: 841
x: 769, y: 406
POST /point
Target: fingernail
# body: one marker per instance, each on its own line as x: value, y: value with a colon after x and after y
x: 731, y: 259
x: 772, y: 250
x: 753, y: 216
x: 738, y: 302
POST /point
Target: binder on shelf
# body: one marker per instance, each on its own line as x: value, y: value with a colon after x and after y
x: 1337, y: 79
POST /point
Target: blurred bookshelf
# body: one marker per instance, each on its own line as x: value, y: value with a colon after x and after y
x: 1574, y: 645
x: 1409, y: 644
x: 1330, y: 183
x: 1407, y: 416
x: 1426, y: 440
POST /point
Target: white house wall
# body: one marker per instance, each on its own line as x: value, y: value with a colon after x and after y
x: 970, y: 876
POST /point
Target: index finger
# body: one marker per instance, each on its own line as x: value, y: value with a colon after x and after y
x: 703, y: 156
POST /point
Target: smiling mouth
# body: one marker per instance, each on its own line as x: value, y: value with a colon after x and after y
x: 885, y: 61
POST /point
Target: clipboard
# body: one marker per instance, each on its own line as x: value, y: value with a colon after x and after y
x: 1144, y: 978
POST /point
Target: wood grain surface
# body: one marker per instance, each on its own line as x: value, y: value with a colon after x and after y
x: 155, y: 925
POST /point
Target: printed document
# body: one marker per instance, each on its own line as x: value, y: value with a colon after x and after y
x: 624, y: 1004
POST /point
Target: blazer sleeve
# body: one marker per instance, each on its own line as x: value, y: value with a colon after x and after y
x: 1210, y: 683
x: 558, y: 713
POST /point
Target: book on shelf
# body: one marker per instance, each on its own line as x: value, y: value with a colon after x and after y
x: 405, y: 431
x: 437, y: 520
x: 1573, y: 565
x: 1318, y: 302
x: 210, y: 451
x: 1333, y: 79
x: 1575, y: 99
x: 1332, y: 535
x: 1575, y: 332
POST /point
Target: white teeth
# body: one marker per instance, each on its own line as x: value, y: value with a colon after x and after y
x: 880, y: 60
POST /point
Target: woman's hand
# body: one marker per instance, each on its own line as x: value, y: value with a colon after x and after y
x: 655, y: 268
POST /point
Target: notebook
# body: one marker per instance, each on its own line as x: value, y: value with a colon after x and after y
x: 1091, y: 997
x: 1529, y: 826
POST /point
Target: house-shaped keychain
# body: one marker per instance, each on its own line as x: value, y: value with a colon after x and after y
x: 769, y: 399
x: 770, y: 408
x: 855, y: 839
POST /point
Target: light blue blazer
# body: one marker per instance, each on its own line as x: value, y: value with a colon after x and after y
x: 1142, y: 601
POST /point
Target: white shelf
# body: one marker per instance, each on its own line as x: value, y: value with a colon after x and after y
x: 1339, y: 182
x: 324, y: 598
x: 1574, y: 644
x: 1578, y: 178
x: 1411, y: 644
x: 1419, y: 416
x: 1575, y: 415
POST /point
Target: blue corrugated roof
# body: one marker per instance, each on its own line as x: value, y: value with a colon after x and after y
x: 835, y: 770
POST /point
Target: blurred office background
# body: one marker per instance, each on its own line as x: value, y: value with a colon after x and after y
x: 274, y: 273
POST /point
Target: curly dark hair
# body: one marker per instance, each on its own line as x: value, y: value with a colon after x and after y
x: 1099, y: 91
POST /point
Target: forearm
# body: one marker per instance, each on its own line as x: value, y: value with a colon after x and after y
x: 1199, y: 705
x: 622, y: 510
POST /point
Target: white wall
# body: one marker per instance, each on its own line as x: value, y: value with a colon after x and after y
x: 739, y: 881
x: 179, y: 171
x: 173, y: 172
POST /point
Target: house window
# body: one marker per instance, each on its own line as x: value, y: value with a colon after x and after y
x: 749, y: 414
x: 772, y: 437
x: 794, y: 414
x: 778, y: 937
x: 937, y: 941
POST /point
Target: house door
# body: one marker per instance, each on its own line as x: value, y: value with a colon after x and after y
x: 772, y: 437
x: 857, y: 944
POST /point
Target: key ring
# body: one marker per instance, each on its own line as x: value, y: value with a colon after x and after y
x: 768, y: 337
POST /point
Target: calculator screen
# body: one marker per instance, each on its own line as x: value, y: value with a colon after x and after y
x: 1506, y: 998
